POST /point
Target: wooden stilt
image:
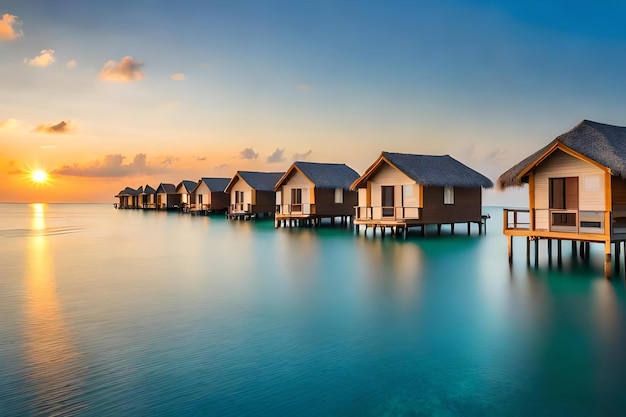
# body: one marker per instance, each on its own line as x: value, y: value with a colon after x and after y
x: 510, y: 249
x: 582, y: 250
x: 617, y: 254
x: 536, y: 252
x: 559, y: 252
x: 438, y: 229
x: 451, y: 228
x: 607, y: 259
x: 528, y: 250
x: 549, y: 242
x: 468, y: 228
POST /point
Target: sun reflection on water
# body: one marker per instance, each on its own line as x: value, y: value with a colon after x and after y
x: 52, y: 361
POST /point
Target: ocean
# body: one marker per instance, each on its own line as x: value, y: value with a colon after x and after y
x: 108, y: 312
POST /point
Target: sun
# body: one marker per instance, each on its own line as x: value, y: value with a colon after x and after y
x: 39, y: 176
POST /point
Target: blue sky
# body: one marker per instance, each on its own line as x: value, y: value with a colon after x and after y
x: 487, y: 82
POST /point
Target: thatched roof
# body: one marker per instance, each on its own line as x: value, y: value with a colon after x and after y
x: 429, y: 170
x: 260, y: 181
x: 323, y: 175
x: 128, y: 191
x: 213, y: 184
x: 602, y: 143
x: 187, y: 185
x: 166, y: 188
x: 148, y: 190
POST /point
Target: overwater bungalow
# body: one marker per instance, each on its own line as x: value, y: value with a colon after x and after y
x: 576, y: 192
x: 309, y: 192
x: 128, y: 198
x: 167, y: 197
x: 399, y: 191
x: 209, y: 196
x: 184, y: 190
x: 147, y: 198
x: 252, y: 194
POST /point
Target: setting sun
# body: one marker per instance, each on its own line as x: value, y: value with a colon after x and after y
x: 39, y: 176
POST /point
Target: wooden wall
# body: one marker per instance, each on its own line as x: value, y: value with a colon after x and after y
x: 325, y: 202
x: 467, y: 205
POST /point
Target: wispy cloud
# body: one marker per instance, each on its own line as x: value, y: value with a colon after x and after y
x: 248, y: 153
x: 110, y: 166
x: 178, y: 76
x: 71, y: 63
x: 201, y: 158
x: 126, y: 71
x: 302, y: 156
x: 44, y: 59
x: 9, y: 27
x: 61, y: 127
x: 276, y: 156
x: 303, y: 87
x: 169, y: 160
x: 9, y: 124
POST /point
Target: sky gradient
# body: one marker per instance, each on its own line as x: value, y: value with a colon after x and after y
x: 115, y: 94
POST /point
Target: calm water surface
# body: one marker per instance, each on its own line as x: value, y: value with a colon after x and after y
x: 130, y: 313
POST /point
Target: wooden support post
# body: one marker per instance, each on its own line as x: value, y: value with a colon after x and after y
x: 468, y: 228
x: 607, y: 259
x: 406, y: 232
x: 452, y: 228
x: 582, y: 250
x: 510, y: 248
x: 438, y: 229
x: 528, y: 250
x: 559, y: 252
x: 617, y: 254
x: 536, y: 252
x: 423, y: 230
x: 549, y: 242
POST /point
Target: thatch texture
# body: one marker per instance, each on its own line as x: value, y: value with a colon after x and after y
x: 260, y: 181
x: 323, y: 175
x: 602, y: 143
x: 431, y: 171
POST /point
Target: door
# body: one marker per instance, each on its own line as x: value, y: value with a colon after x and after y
x: 387, y: 203
x: 564, y: 202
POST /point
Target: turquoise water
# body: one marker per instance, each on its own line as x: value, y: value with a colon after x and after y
x: 109, y: 312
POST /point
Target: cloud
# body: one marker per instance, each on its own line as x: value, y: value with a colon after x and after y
x: 9, y: 124
x: 248, y: 153
x: 302, y: 156
x: 71, y: 63
x: 303, y: 87
x: 61, y: 127
x: 9, y: 27
x: 221, y: 166
x: 201, y: 158
x: 44, y: 59
x: 276, y: 156
x: 178, y: 76
x: 111, y: 166
x: 126, y: 71
x: 169, y: 160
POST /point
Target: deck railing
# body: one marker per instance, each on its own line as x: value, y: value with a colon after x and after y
x: 240, y: 208
x: 556, y: 220
x: 305, y: 209
x: 387, y: 212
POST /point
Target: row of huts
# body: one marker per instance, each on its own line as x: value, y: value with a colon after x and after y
x: 576, y: 191
x: 397, y: 191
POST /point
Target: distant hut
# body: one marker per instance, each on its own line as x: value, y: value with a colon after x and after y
x: 184, y: 190
x: 252, y: 194
x: 576, y: 191
x: 147, y: 198
x: 208, y: 195
x: 399, y: 191
x: 311, y: 191
x: 128, y: 198
x: 167, y: 197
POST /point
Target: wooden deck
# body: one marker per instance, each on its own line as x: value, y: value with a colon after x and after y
x: 402, y: 226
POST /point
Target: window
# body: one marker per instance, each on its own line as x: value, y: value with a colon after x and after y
x: 296, y: 199
x: 199, y: 198
x: 338, y: 195
x: 448, y: 195
x: 238, y: 197
x: 564, y: 193
x: 387, y: 200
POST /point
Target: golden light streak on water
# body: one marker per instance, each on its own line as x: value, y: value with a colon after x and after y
x: 52, y: 361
